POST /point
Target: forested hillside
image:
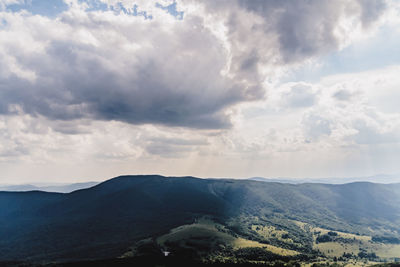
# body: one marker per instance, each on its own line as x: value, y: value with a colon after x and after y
x: 105, y: 221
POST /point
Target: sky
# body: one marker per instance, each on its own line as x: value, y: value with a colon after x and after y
x: 92, y: 89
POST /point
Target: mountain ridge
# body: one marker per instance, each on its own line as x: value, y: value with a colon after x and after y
x: 58, y: 188
x: 102, y: 221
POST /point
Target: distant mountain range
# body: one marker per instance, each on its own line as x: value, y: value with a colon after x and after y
x: 68, y: 188
x: 60, y: 188
x: 380, y: 178
x: 105, y: 220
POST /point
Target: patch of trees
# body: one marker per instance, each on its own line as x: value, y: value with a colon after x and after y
x: 146, y: 248
x: 366, y: 255
x: 331, y: 236
x: 285, y: 236
x: 260, y: 254
x: 242, y: 226
x: 324, y: 238
x: 256, y: 254
x: 347, y: 255
x: 171, y: 261
x: 331, y: 233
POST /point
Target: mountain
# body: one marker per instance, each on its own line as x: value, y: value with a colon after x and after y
x: 106, y: 220
x: 380, y: 178
x: 60, y: 188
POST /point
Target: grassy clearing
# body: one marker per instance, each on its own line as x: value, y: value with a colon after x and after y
x: 270, y: 232
x: 383, y: 251
x: 350, y: 243
x: 362, y: 238
x: 244, y: 243
x: 336, y: 249
x: 386, y: 251
x: 351, y: 263
x: 209, y: 235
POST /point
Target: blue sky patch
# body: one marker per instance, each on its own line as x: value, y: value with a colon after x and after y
x: 49, y: 8
x: 380, y: 51
x: 171, y: 9
x: 96, y: 5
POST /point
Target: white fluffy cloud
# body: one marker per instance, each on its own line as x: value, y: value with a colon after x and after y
x: 357, y: 131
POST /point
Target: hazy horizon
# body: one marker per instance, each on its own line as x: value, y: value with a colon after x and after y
x: 378, y: 178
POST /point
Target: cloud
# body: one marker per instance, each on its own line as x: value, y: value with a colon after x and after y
x: 343, y: 95
x: 373, y: 133
x: 173, y: 147
x: 300, y: 96
x: 129, y: 83
x: 316, y: 126
x: 5, y: 3
x: 287, y: 32
x: 107, y: 65
x: 353, y: 109
x: 37, y: 7
x: 371, y: 10
x: 127, y: 69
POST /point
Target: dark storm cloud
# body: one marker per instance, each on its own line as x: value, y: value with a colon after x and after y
x: 306, y: 28
x: 371, y: 10
x: 286, y: 31
x: 174, y: 82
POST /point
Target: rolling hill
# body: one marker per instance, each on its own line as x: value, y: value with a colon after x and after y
x: 59, y: 188
x: 107, y: 220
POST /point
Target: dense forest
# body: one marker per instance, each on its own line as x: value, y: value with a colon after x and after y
x: 212, y: 221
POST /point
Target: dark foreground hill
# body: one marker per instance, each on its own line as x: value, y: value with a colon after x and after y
x: 105, y: 220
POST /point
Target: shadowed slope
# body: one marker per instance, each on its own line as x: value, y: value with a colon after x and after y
x: 102, y: 221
